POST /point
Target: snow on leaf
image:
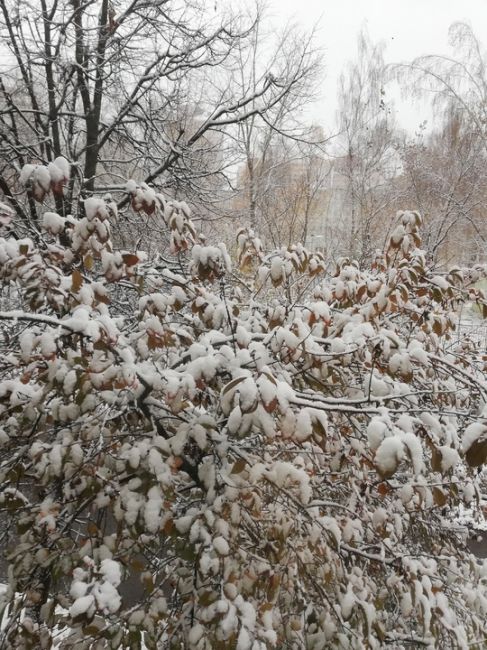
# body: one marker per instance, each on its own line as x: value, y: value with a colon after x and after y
x: 388, y: 455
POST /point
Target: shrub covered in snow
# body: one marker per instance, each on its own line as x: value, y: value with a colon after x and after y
x: 275, y: 452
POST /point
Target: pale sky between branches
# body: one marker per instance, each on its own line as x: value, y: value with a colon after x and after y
x: 410, y: 28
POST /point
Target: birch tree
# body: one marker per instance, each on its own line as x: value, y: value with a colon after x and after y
x: 367, y: 161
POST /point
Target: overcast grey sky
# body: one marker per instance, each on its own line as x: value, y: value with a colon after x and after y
x: 410, y: 28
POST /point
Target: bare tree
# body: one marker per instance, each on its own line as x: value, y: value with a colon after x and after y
x: 446, y: 171
x: 287, y: 185
x: 136, y: 87
x: 457, y: 81
x: 272, y: 143
x: 444, y: 176
x: 367, y: 161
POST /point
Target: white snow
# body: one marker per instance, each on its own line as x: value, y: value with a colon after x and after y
x: 110, y: 570
x: 389, y: 454
x: 221, y: 546
x: 82, y: 605
x: 472, y: 433
x: 376, y: 432
x: 449, y: 457
x: 53, y: 223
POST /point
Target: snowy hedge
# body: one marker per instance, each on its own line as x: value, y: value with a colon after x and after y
x: 273, y: 452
